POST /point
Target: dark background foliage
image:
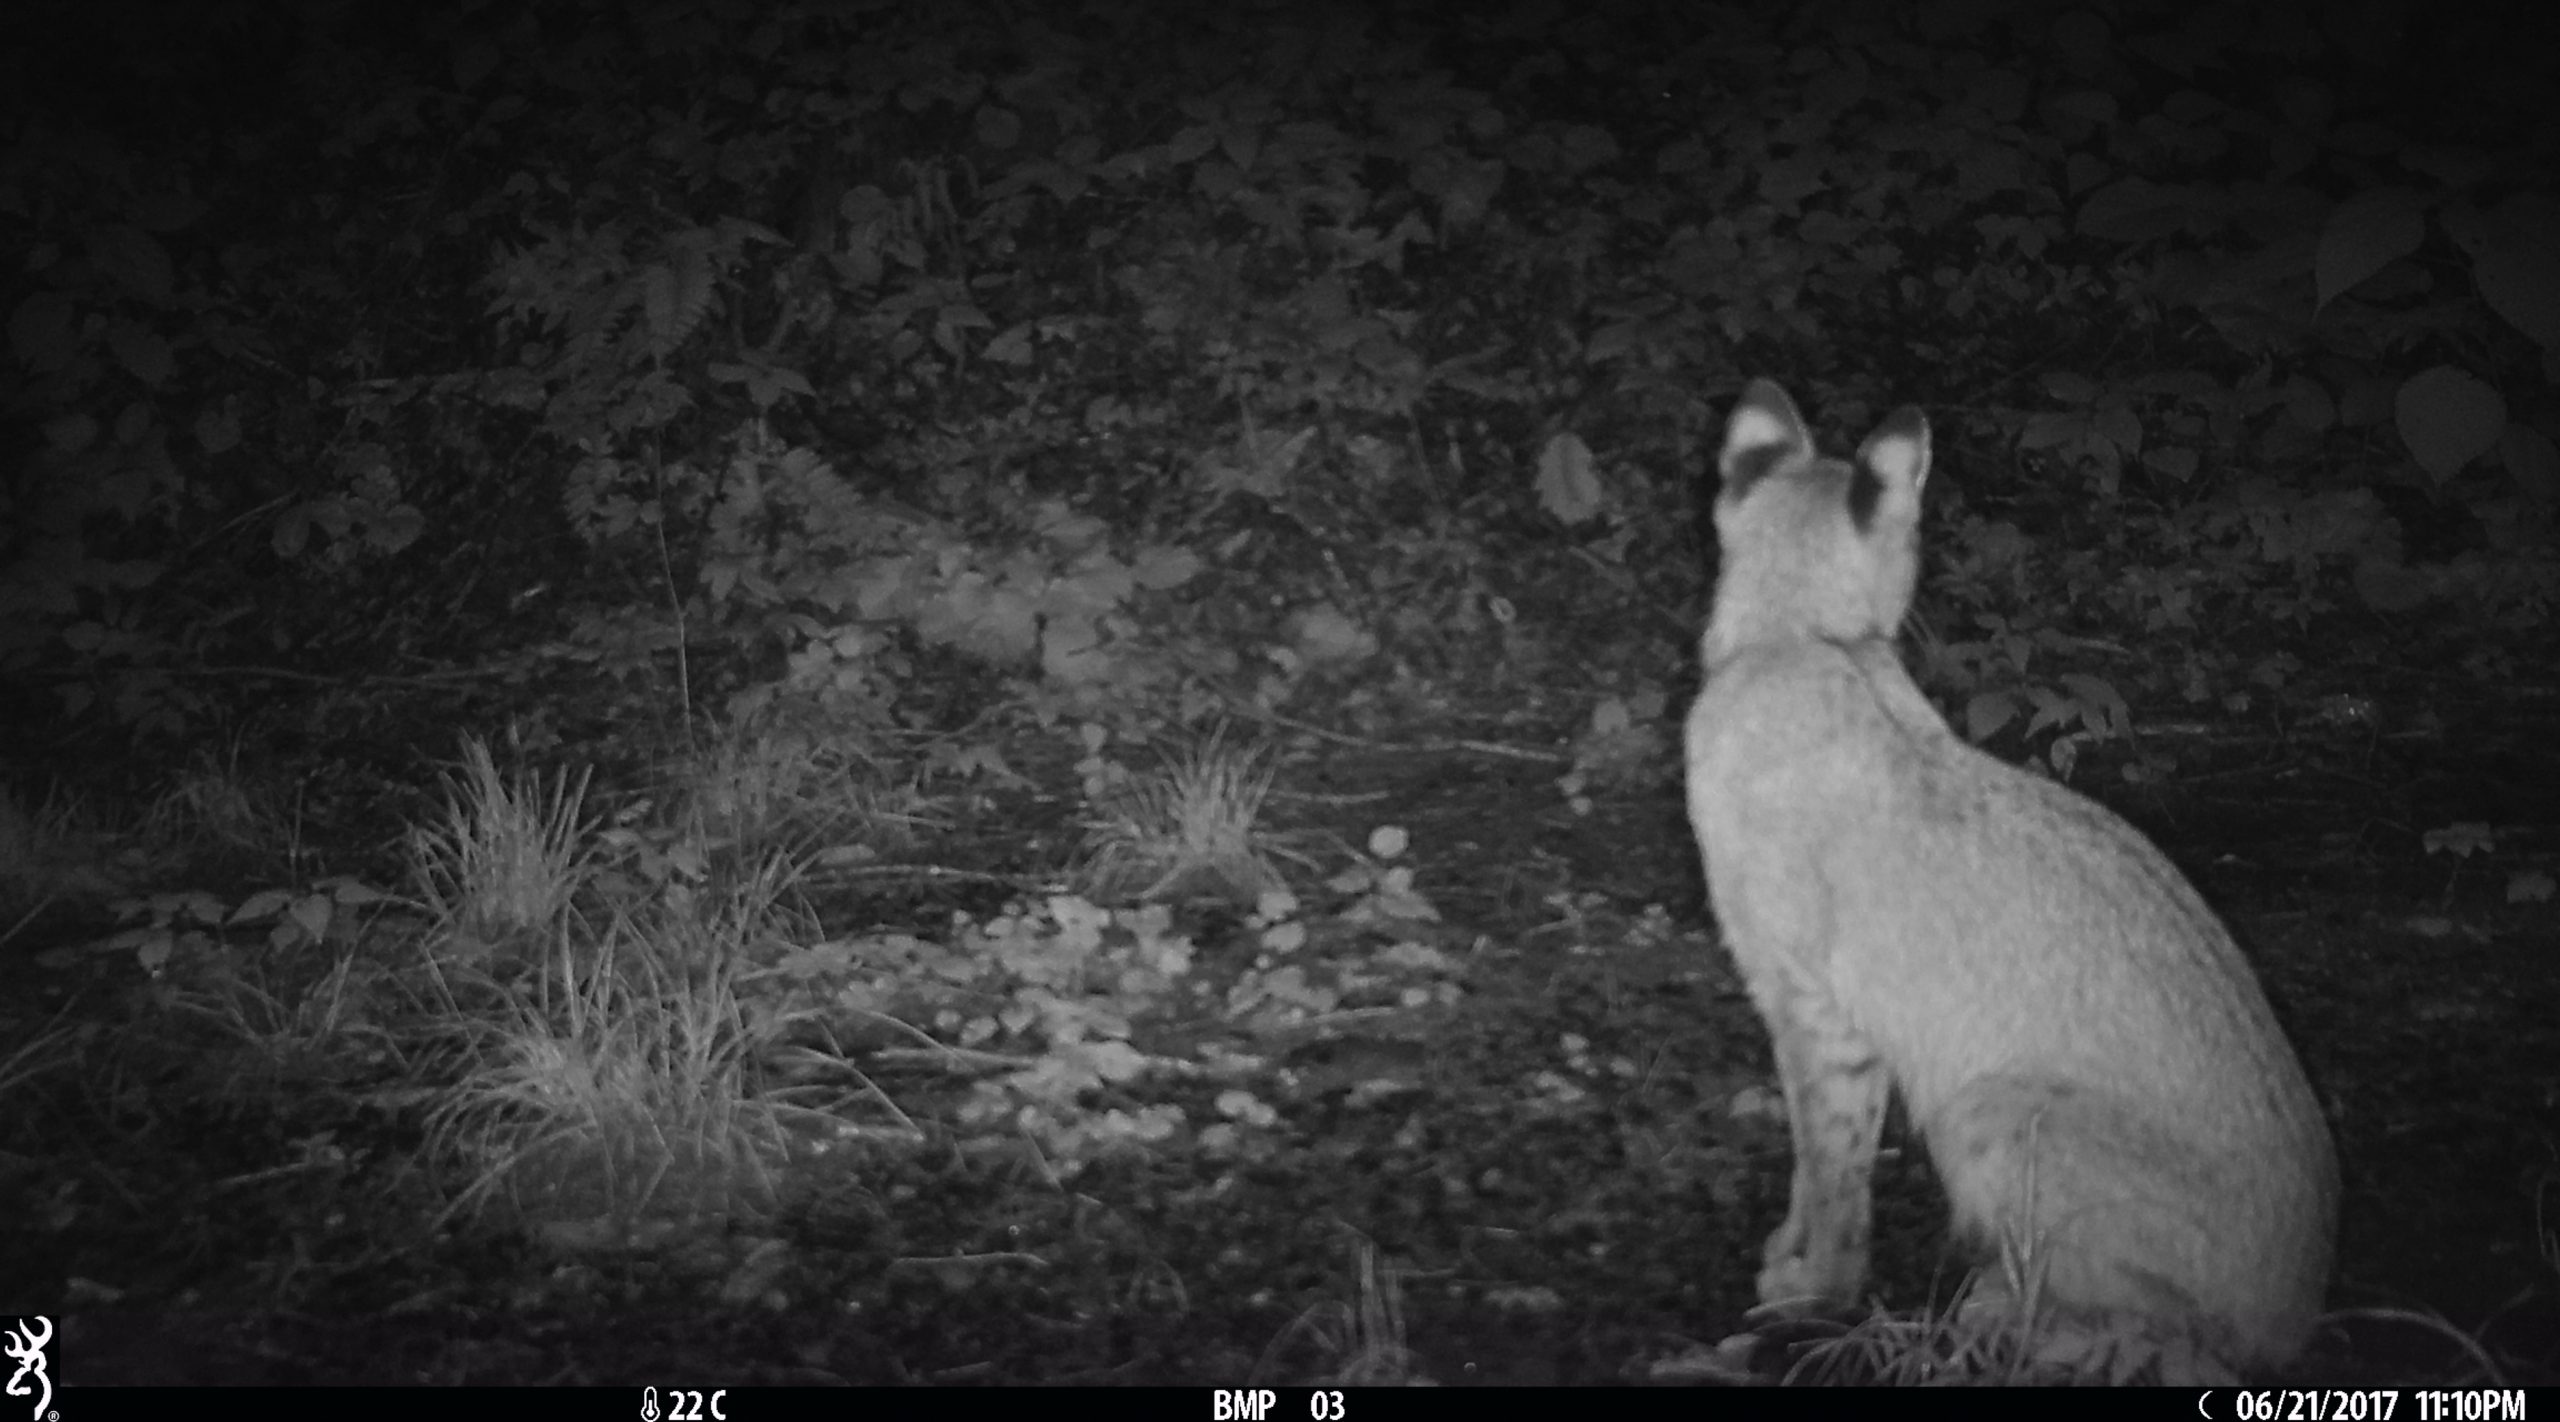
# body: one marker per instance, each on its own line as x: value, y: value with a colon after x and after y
x: 604, y: 371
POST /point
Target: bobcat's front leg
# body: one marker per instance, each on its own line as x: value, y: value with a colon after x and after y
x: 1836, y: 1088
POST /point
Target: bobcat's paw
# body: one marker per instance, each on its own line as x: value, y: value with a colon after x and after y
x: 1793, y: 1285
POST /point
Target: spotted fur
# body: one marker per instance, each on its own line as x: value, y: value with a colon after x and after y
x: 2101, y: 1084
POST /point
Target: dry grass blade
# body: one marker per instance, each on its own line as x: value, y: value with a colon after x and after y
x: 1190, y: 830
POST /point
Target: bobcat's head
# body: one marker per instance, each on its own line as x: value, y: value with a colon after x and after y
x: 1814, y: 549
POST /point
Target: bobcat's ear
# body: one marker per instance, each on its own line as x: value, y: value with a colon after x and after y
x: 1898, y: 452
x: 1763, y: 429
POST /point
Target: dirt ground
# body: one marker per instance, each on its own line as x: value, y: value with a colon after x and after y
x: 1566, y: 1173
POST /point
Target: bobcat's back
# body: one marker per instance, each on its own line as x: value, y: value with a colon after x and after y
x: 2097, y: 1074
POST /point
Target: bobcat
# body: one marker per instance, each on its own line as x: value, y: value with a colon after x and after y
x: 2097, y: 1075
